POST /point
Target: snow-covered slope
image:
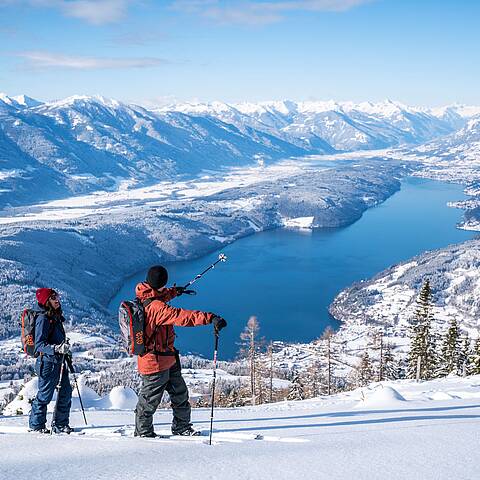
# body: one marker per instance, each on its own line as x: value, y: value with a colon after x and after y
x: 395, y: 430
x: 344, y: 126
x: 81, y: 144
x: 388, y: 299
x: 454, y: 158
x: 19, y: 101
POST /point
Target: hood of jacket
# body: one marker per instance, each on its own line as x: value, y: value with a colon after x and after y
x: 144, y: 291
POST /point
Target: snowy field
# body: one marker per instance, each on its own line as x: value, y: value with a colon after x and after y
x: 109, y: 203
x: 395, y: 430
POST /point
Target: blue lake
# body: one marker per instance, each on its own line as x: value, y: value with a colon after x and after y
x: 288, y: 278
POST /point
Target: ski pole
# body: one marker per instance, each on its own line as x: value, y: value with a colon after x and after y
x: 72, y: 370
x: 221, y: 258
x: 57, y: 388
x: 213, y: 386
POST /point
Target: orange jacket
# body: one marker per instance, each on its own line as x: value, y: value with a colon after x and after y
x: 159, y: 321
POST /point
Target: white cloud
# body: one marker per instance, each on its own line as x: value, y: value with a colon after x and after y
x: 253, y: 12
x: 256, y: 12
x: 49, y: 60
x: 96, y: 12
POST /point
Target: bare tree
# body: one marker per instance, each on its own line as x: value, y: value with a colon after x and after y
x: 250, y: 348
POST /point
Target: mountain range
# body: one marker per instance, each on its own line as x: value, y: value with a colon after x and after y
x: 82, y: 144
x: 344, y: 126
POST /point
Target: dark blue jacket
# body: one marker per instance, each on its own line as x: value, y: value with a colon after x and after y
x: 48, y: 332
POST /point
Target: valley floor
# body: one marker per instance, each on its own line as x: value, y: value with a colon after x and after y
x: 393, y: 430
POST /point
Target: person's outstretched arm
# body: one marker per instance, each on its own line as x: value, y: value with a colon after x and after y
x: 163, y: 314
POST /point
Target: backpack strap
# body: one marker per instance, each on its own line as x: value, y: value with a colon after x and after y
x: 148, y: 340
x: 148, y: 301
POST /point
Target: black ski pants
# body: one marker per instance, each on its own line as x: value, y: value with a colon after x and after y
x: 150, y: 397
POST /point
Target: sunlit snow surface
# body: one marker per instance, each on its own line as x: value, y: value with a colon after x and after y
x: 394, y: 430
x: 103, y: 202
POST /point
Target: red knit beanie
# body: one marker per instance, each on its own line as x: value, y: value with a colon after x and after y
x: 43, y: 294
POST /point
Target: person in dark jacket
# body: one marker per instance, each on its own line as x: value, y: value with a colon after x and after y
x: 51, y: 346
x: 160, y: 367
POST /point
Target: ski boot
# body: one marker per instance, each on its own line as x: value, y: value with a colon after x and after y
x: 145, y: 435
x: 189, y: 432
x: 64, y: 429
x: 44, y: 430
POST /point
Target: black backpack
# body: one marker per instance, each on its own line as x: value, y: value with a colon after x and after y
x: 131, y: 319
x: 27, y: 322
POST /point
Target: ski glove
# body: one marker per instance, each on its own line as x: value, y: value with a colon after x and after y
x: 63, y: 348
x: 182, y: 290
x: 218, y: 323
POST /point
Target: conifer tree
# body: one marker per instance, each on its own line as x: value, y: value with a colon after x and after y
x: 422, y: 355
x: 474, y: 363
x: 391, y: 367
x: 326, y: 341
x: 450, y: 351
x: 297, y: 388
x: 236, y: 397
x: 464, y: 357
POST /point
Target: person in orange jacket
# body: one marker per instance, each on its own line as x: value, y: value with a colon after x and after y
x: 160, y: 366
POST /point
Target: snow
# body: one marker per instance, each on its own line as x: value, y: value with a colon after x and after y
x: 8, y: 173
x: 300, y: 222
x: 429, y: 434
x: 103, y: 202
x: 120, y: 398
x: 383, y: 397
x: 22, y: 402
x: 84, y: 98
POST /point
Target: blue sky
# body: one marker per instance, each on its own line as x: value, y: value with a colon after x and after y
x: 421, y: 52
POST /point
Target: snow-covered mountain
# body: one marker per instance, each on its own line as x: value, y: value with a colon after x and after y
x: 20, y: 101
x: 344, y: 126
x: 82, y: 144
x: 454, y: 157
x: 457, y: 143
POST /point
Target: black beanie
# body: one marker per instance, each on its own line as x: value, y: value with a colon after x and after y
x: 157, y: 277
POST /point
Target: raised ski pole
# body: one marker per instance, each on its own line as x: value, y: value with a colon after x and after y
x: 213, y: 386
x: 221, y: 258
x: 57, y: 388
x: 72, y: 371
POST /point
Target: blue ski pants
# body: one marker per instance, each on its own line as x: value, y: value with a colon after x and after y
x: 48, y: 371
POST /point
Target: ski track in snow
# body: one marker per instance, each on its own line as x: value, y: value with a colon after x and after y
x: 394, y: 430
